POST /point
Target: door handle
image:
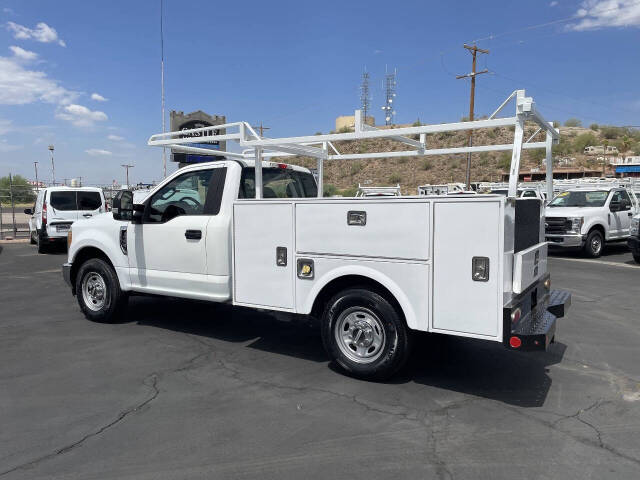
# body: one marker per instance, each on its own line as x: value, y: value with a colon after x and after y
x: 86, y: 215
x: 193, y: 234
x: 630, y: 214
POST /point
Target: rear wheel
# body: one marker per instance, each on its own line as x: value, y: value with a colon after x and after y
x: 636, y: 257
x: 42, y: 247
x: 365, y: 334
x: 98, y: 292
x: 594, y: 244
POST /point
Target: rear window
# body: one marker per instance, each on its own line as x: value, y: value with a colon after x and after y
x: 63, y: 200
x: 278, y: 183
x: 89, y: 201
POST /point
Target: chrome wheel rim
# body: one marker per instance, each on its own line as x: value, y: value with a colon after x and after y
x: 360, y: 335
x: 596, y: 244
x: 94, y: 291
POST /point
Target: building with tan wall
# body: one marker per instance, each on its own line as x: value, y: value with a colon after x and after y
x: 349, y: 121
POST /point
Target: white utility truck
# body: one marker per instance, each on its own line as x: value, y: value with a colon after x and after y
x: 372, y: 270
x: 588, y: 216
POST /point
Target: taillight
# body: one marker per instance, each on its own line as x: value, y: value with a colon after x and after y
x: 44, y: 214
x: 515, y: 342
x: 282, y: 165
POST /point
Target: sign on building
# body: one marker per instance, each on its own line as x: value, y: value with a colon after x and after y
x: 198, y: 119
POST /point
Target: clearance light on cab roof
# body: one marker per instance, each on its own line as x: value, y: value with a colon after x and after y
x: 282, y: 165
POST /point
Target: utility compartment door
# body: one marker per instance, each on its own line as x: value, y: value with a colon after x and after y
x: 260, y: 277
x: 461, y: 231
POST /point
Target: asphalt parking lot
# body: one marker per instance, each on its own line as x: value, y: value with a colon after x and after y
x: 189, y: 390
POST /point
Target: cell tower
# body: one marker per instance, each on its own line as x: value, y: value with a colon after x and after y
x: 365, y: 97
x: 390, y: 94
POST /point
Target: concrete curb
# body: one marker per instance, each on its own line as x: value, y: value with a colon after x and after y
x: 9, y: 241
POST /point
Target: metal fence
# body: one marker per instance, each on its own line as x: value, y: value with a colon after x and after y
x: 15, y: 197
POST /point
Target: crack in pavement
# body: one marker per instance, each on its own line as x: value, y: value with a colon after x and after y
x: 121, y: 416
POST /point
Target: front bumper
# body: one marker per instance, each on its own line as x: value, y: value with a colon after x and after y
x: 539, y: 310
x: 634, y: 245
x: 66, y: 273
x: 566, y: 240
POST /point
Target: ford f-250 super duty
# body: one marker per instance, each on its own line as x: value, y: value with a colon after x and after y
x: 587, y: 217
x: 372, y: 270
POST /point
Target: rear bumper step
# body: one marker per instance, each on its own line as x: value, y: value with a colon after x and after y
x: 536, y: 328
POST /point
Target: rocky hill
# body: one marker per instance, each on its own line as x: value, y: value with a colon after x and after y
x: 344, y: 176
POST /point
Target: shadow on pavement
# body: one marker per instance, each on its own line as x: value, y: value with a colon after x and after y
x: 610, y: 249
x: 473, y: 367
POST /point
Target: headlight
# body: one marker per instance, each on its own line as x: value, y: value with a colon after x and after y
x: 635, y: 226
x: 576, y: 223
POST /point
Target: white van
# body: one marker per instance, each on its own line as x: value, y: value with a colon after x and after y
x: 56, y: 208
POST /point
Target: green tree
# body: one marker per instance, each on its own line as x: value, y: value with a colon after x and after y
x: 20, y: 187
x: 573, y: 122
x: 584, y: 140
x: 611, y: 133
x: 329, y: 190
x: 504, y: 161
x: 594, y: 126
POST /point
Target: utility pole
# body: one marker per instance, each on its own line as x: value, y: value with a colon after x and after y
x: 35, y: 165
x: 261, y: 128
x: 53, y: 167
x: 164, y: 150
x: 474, y: 50
x: 127, y: 167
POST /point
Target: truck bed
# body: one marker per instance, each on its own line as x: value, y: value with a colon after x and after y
x: 418, y: 248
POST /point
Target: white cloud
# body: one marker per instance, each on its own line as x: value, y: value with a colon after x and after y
x: 98, y: 98
x: 42, y: 33
x: 115, y: 138
x: 5, y: 126
x: 97, y: 152
x: 7, y: 10
x: 23, y: 54
x: 594, y: 14
x: 81, y: 116
x: 7, y: 147
x: 20, y: 86
x: 553, y: 4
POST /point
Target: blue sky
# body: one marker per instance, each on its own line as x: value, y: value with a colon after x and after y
x: 85, y: 76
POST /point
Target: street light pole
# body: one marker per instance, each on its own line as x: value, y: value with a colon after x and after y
x: 127, y: 167
x: 53, y: 167
x: 35, y: 165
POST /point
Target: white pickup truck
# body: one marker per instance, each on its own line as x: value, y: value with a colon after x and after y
x: 371, y: 270
x: 588, y: 217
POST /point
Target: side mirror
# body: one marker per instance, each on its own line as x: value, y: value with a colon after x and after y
x: 28, y: 211
x: 122, y: 205
x: 138, y: 213
x: 615, y: 206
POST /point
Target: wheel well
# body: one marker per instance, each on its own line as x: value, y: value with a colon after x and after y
x: 352, y: 281
x: 600, y: 228
x: 82, y: 256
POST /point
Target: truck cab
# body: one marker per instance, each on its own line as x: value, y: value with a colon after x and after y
x: 589, y: 217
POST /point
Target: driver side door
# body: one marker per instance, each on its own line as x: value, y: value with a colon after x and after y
x: 167, y: 252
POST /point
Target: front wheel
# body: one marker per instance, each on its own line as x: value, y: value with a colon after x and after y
x: 365, y: 334
x: 98, y: 292
x: 32, y: 237
x: 594, y: 244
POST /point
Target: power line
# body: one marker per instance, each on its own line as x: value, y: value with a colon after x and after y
x: 474, y: 51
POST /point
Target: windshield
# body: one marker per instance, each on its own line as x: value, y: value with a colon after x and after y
x: 278, y: 183
x: 595, y: 198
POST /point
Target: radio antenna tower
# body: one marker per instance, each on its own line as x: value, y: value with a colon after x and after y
x: 365, y: 97
x: 390, y: 95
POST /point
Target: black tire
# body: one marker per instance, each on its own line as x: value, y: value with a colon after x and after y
x: 636, y: 257
x: 42, y: 246
x: 347, y: 312
x: 594, y: 244
x: 32, y: 237
x: 108, y: 307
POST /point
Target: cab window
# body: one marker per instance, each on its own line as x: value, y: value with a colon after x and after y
x: 184, y: 195
x: 278, y: 183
